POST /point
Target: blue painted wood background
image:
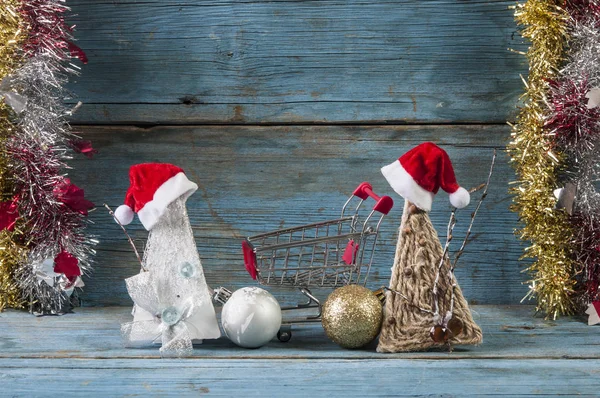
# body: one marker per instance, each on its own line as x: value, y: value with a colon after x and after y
x: 292, y: 61
x: 278, y: 109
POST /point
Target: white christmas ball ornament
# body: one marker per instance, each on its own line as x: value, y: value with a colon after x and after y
x: 251, y: 317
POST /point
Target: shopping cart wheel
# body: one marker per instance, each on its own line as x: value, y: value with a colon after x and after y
x: 285, y: 333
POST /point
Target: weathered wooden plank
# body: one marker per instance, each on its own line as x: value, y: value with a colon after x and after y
x: 510, y: 332
x: 256, y: 179
x: 520, y: 356
x: 300, y: 378
x: 188, y: 61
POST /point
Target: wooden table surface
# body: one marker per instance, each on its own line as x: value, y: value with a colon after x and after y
x: 83, y: 353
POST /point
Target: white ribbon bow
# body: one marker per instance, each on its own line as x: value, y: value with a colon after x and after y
x: 174, y: 306
x: 12, y: 98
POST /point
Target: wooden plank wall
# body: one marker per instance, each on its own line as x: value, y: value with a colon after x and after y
x: 257, y: 178
x: 292, y: 61
x: 278, y: 109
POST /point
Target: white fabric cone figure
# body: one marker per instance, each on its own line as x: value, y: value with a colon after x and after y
x: 177, y: 287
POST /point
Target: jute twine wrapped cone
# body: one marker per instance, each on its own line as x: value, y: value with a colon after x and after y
x: 418, y: 253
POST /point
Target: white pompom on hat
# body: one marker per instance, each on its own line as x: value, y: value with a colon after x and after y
x: 153, y: 187
x: 421, y: 172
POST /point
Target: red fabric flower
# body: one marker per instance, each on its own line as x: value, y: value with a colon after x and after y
x: 72, y: 196
x: 66, y: 263
x: 83, y: 146
x: 9, y: 213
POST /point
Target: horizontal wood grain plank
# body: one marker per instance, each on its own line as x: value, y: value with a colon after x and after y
x: 299, y: 378
x: 256, y: 179
x: 510, y: 332
x: 189, y: 61
x: 82, y: 353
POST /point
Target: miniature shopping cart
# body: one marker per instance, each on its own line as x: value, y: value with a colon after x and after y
x: 325, y: 254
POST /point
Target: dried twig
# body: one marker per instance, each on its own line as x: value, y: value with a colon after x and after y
x: 128, y: 237
x: 474, y: 214
x: 449, y: 236
x: 465, y: 241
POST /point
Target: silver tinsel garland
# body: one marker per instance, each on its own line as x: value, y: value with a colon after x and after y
x: 583, y: 68
x: 39, y: 151
x: 576, y: 129
x: 53, y: 211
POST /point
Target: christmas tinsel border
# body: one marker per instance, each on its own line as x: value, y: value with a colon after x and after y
x: 536, y: 163
x: 12, y: 36
x: 573, y: 124
x: 553, y: 145
x: 42, y: 214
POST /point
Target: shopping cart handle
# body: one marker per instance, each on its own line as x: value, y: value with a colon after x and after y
x: 384, y: 203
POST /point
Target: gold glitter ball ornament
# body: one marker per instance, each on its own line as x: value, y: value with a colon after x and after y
x: 352, y: 316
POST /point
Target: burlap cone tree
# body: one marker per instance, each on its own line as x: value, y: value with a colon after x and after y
x: 412, y: 310
x: 406, y: 327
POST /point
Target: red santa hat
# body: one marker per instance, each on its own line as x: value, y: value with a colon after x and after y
x: 153, y: 186
x: 421, y: 172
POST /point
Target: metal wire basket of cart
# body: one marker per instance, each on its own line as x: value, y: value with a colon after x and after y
x: 324, y: 254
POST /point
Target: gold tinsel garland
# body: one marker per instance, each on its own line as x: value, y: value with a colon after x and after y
x: 12, y: 254
x: 12, y: 33
x: 536, y: 165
